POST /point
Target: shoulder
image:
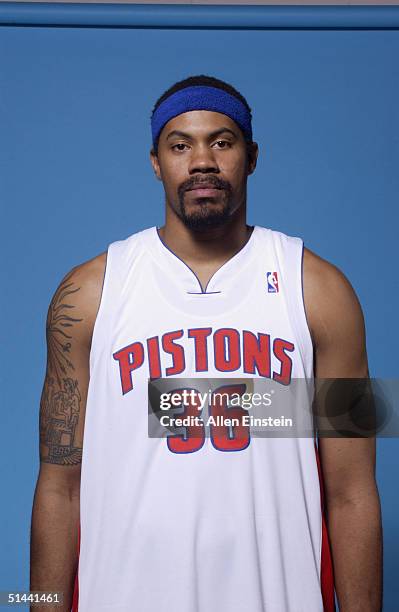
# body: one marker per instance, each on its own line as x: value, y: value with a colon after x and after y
x: 322, y: 274
x: 332, y: 306
x: 78, y: 295
x: 90, y: 273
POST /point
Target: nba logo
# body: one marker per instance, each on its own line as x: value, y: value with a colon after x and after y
x: 272, y: 282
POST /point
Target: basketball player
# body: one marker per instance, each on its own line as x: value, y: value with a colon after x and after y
x: 125, y: 522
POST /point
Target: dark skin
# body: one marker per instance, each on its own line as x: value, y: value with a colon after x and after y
x: 337, y: 329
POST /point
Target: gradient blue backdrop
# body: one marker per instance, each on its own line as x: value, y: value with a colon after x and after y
x: 75, y: 175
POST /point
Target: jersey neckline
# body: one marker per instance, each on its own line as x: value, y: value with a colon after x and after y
x: 184, y: 276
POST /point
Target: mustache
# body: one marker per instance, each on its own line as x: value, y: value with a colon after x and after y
x: 217, y: 183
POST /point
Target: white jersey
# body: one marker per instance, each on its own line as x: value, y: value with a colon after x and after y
x: 180, y: 524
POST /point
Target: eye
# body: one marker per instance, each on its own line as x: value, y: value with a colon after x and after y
x: 224, y: 142
x: 179, y: 144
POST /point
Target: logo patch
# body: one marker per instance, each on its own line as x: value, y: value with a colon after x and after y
x: 272, y: 282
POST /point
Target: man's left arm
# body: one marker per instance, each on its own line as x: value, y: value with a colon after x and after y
x: 352, y: 502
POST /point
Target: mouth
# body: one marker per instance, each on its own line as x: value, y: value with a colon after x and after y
x: 204, y: 193
x: 204, y: 190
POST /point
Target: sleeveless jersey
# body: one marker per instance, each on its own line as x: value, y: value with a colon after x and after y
x: 198, y: 525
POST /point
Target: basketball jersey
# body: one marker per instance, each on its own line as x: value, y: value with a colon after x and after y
x: 171, y: 524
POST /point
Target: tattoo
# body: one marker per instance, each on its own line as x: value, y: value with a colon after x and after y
x: 61, y: 399
x: 58, y: 321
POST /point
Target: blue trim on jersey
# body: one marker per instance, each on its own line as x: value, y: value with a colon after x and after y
x: 201, y: 292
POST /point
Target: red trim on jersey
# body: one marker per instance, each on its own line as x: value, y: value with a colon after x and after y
x: 326, y: 569
x: 75, y: 597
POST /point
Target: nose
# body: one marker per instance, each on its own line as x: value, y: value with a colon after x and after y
x: 202, y: 159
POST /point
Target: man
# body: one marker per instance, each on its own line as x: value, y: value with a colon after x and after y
x: 182, y: 524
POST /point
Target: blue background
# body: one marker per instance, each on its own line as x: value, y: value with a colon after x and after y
x: 75, y: 175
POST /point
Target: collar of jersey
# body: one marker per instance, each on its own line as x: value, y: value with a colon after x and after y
x: 183, y: 276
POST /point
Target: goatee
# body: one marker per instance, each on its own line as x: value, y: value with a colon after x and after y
x: 206, y: 213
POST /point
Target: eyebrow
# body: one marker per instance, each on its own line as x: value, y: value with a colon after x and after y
x: 211, y: 135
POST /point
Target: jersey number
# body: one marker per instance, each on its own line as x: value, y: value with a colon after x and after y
x: 224, y: 437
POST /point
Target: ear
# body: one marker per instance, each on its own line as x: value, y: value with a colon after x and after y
x: 253, y: 151
x: 155, y: 164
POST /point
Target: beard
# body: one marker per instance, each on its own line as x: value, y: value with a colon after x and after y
x: 206, y: 212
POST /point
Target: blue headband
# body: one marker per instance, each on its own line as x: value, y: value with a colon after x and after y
x: 201, y: 97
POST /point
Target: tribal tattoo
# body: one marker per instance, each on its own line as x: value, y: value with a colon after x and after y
x: 61, y: 399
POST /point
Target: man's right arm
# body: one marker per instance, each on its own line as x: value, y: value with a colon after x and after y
x: 56, y: 505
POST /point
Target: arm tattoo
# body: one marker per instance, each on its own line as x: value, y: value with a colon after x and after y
x: 61, y: 398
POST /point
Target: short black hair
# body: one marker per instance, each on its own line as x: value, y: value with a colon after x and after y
x: 201, y: 79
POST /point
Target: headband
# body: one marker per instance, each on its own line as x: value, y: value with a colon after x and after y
x: 201, y: 97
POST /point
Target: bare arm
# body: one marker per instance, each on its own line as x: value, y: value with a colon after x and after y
x: 55, y: 513
x: 348, y: 464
